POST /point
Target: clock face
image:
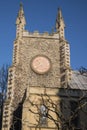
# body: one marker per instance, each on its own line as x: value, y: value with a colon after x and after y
x: 40, y: 64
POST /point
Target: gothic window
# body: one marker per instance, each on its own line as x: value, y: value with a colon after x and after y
x: 43, y: 115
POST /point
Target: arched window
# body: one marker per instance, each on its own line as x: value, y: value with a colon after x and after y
x: 43, y: 115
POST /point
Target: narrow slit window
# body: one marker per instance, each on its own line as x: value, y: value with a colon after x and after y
x: 43, y: 115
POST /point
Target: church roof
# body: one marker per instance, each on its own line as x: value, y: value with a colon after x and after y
x: 78, y: 81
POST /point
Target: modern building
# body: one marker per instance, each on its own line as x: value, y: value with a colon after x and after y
x: 43, y: 91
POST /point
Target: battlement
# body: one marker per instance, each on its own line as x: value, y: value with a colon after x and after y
x: 43, y: 35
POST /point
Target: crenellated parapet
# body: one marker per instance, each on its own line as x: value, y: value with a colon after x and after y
x: 40, y: 35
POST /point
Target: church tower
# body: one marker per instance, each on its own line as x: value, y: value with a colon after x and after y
x: 41, y: 65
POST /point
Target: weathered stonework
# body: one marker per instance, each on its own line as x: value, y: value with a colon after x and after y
x: 22, y: 78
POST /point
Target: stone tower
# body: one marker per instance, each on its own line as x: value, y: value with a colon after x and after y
x: 41, y: 63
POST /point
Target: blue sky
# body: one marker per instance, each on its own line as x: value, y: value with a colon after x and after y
x: 41, y: 15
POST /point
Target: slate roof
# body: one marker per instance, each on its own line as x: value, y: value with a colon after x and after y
x: 78, y: 81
